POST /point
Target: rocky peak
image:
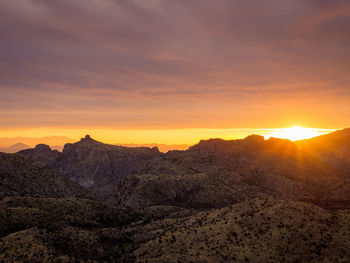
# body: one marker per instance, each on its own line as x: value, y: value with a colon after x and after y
x: 86, y: 138
x: 88, y: 142
x: 42, y: 148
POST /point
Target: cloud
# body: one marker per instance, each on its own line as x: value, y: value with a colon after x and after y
x: 144, y: 56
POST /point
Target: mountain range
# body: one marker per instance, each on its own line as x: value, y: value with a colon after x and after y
x: 32, y: 141
x: 14, y: 148
x: 164, y: 148
x: 247, y: 200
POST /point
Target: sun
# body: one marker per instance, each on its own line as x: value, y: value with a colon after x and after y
x: 295, y: 133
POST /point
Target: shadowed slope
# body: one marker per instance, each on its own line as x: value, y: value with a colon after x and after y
x: 20, y: 176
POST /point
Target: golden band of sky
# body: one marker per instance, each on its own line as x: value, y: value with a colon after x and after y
x: 165, y: 136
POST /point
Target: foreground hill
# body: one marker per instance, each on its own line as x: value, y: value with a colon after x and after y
x: 63, y: 230
x: 258, y: 230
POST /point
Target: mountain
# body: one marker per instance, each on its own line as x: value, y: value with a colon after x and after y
x: 32, y: 141
x: 212, y: 173
x: 217, y: 173
x: 16, y: 144
x: 93, y: 164
x: 14, y: 148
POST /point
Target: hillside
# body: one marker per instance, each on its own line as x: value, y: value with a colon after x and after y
x: 20, y: 176
x: 258, y: 230
x: 46, y: 217
x: 63, y: 230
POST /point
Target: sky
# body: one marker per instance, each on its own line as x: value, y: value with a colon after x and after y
x: 135, y: 71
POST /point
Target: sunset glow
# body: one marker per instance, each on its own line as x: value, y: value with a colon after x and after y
x: 131, y: 72
x: 296, y: 133
x: 148, y: 136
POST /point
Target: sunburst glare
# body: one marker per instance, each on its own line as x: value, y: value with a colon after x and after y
x: 296, y: 133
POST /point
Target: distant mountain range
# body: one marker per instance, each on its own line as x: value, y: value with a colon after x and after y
x: 32, y: 141
x: 16, y: 144
x: 161, y: 147
x: 248, y: 200
x: 15, y: 148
